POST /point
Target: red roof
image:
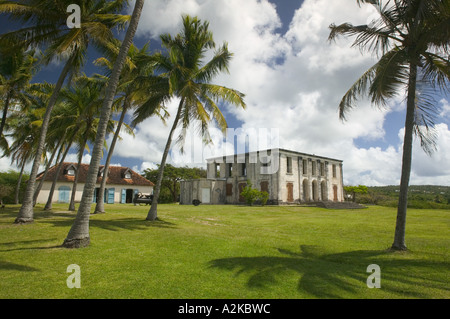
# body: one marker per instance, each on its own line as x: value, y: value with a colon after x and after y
x: 116, y: 175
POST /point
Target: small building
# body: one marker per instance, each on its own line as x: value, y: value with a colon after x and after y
x: 121, y: 185
x: 289, y: 177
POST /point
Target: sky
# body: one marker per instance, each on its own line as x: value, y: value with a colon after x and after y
x: 293, y: 79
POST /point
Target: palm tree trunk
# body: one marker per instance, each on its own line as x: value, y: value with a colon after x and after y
x: 100, y: 206
x: 26, y: 212
x: 5, y: 111
x: 48, y: 205
x: 77, y: 174
x: 399, y: 238
x: 78, y: 235
x: 16, y: 198
x: 41, y: 182
x: 152, y: 213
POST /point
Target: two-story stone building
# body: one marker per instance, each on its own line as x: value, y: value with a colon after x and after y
x: 288, y: 176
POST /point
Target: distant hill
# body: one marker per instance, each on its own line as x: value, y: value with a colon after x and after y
x: 419, y: 196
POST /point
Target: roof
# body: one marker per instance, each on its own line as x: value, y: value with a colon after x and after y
x: 280, y: 150
x: 116, y: 175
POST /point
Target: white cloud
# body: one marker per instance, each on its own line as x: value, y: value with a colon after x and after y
x: 293, y: 82
x: 73, y: 158
x: 445, y: 112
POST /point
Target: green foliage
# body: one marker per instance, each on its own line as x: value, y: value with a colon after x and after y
x: 263, y: 197
x: 353, y: 190
x: 5, y: 190
x: 8, y: 182
x: 170, y: 186
x: 251, y: 195
x: 421, y: 197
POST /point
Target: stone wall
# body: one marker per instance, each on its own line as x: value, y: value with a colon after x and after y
x: 299, y: 178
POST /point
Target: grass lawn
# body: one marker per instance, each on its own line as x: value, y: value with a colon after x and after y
x: 226, y: 252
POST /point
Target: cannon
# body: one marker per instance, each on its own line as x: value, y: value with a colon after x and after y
x: 140, y: 198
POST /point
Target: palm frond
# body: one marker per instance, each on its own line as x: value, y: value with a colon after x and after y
x: 222, y: 93
x: 219, y: 63
x: 391, y: 74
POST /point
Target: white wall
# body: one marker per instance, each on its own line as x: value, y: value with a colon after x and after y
x: 43, y: 194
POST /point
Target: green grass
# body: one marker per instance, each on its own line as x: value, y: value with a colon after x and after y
x: 226, y: 252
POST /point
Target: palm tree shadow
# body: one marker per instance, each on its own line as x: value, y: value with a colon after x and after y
x: 325, y: 275
x: 119, y: 224
x: 6, y: 265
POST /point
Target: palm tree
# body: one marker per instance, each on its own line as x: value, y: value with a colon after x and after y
x: 412, y: 37
x: 78, y: 235
x: 132, y: 90
x: 45, y: 24
x: 16, y: 70
x: 21, y: 150
x: 65, y: 122
x: 83, y: 100
x: 24, y: 125
x: 40, y: 94
x: 188, y: 79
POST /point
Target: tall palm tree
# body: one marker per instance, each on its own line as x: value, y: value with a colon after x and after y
x: 24, y: 125
x: 132, y: 91
x: 16, y: 70
x: 412, y: 37
x: 45, y: 24
x: 85, y: 101
x: 65, y: 122
x: 188, y: 78
x: 78, y: 235
x: 41, y: 93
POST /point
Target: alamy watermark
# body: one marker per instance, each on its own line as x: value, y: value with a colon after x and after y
x: 374, y: 280
x: 74, y: 19
x: 237, y: 145
x: 74, y: 280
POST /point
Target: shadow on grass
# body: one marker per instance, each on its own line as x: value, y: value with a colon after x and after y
x: 39, y: 213
x: 116, y: 224
x: 6, y: 265
x: 335, y: 275
x: 130, y: 224
x: 20, y: 242
x: 67, y: 218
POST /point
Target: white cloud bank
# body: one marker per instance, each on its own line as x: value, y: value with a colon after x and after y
x: 293, y: 82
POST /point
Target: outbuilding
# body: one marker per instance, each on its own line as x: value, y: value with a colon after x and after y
x: 121, y: 185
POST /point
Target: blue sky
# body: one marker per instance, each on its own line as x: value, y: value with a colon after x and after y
x: 293, y: 79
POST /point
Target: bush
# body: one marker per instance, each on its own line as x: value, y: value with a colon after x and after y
x: 251, y: 195
x: 263, y: 197
x: 9, y: 180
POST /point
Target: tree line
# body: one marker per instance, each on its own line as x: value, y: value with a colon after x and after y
x: 170, y: 184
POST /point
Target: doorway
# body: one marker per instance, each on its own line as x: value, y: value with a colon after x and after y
x: 290, y: 192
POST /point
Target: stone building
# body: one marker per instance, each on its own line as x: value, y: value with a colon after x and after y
x: 289, y: 177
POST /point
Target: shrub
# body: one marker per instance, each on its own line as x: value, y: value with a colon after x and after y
x: 263, y: 197
x: 251, y: 195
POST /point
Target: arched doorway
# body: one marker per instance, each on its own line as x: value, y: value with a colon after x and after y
x: 315, y: 191
x: 324, y: 190
x: 306, y: 191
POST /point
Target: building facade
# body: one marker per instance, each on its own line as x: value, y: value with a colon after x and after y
x: 121, y: 185
x: 289, y: 177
